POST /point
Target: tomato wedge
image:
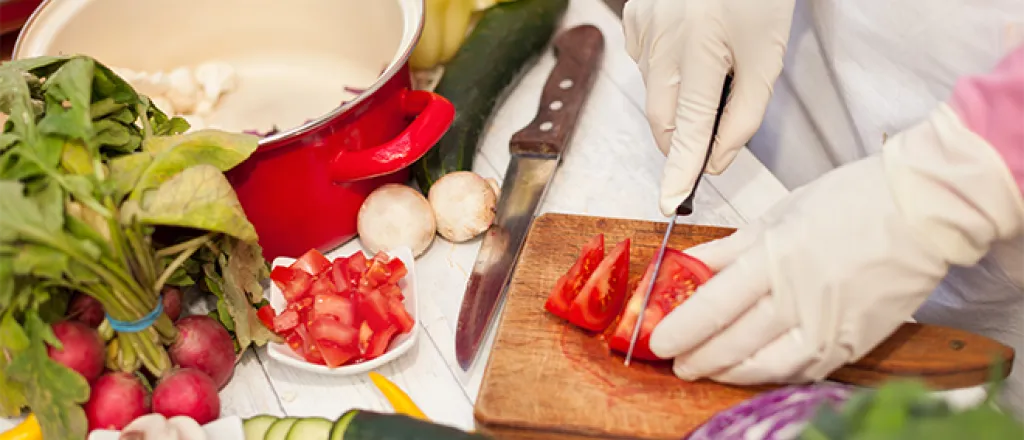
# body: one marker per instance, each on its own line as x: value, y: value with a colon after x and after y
x: 312, y: 262
x: 678, y: 277
x: 293, y: 282
x: 568, y: 286
x: 600, y: 300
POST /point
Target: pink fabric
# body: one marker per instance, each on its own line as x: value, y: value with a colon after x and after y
x: 992, y: 106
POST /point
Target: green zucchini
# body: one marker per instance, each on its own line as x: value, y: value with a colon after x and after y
x: 360, y: 424
x: 279, y: 429
x: 491, y: 59
x: 311, y: 428
x: 256, y: 427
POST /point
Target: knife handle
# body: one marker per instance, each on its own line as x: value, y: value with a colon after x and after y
x: 686, y: 208
x: 578, y: 52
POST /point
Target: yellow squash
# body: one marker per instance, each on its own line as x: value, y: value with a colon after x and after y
x: 27, y: 430
x: 398, y: 399
x: 445, y: 26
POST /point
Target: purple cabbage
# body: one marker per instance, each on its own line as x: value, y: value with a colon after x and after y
x: 776, y: 415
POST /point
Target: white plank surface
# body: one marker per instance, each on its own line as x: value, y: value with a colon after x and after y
x: 611, y: 169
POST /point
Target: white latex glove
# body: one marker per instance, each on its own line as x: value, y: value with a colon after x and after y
x: 685, y: 49
x: 840, y: 264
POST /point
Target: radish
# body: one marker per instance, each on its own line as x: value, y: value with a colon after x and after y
x: 115, y: 400
x: 204, y: 344
x: 395, y: 215
x: 86, y: 309
x: 172, y: 301
x: 187, y: 392
x: 82, y: 349
x: 463, y: 204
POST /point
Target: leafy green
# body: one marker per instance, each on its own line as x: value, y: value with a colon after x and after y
x: 173, y: 154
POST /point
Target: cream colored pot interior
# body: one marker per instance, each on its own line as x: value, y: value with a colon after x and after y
x: 291, y: 60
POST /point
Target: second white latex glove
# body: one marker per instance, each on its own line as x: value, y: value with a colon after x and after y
x: 840, y: 264
x: 685, y: 49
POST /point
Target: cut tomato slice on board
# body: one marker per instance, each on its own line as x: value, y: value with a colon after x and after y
x: 312, y: 262
x: 337, y: 307
x: 600, y: 300
x: 568, y: 286
x: 293, y: 282
x: 678, y: 277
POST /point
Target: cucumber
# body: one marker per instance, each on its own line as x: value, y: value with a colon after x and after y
x: 256, y: 427
x: 310, y: 428
x: 478, y: 77
x: 279, y: 430
x: 359, y: 424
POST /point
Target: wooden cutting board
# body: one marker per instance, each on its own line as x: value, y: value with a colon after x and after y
x: 547, y: 379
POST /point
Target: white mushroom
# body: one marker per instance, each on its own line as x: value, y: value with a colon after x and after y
x: 396, y: 215
x: 187, y: 428
x: 494, y: 186
x: 149, y: 427
x: 463, y: 204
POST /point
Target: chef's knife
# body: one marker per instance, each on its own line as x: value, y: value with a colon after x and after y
x: 685, y: 208
x: 536, y: 151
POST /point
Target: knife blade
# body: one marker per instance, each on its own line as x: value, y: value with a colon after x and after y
x: 685, y: 208
x: 536, y: 151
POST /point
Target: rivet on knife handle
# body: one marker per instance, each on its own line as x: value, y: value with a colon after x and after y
x: 578, y: 52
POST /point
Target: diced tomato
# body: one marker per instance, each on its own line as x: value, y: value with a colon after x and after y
x: 391, y: 291
x: 569, y: 285
x: 294, y: 341
x: 322, y: 286
x: 365, y: 334
x: 336, y: 355
x: 266, y: 315
x: 309, y: 350
x: 678, y: 277
x: 335, y: 306
x: 397, y: 270
x: 357, y: 263
x: 399, y: 315
x: 377, y: 273
x: 293, y: 282
x: 286, y: 321
x: 379, y: 342
x: 373, y: 307
x: 312, y: 262
x: 601, y: 298
x: 340, y: 277
x: 329, y: 329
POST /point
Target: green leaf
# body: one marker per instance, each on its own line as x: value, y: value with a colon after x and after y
x: 50, y: 201
x: 12, y: 336
x: 199, y: 197
x: 41, y: 65
x: 19, y: 213
x: 16, y: 102
x: 75, y: 158
x: 173, y: 154
x: 125, y: 172
x: 40, y: 261
x: 116, y: 135
x: 107, y: 84
x: 68, y: 100
x: 180, y: 278
x: 53, y: 391
x: 241, y: 286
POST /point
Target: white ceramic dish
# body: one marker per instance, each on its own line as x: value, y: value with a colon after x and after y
x: 402, y: 343
x: 224, y: 428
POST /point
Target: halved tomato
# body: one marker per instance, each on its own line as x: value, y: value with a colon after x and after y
x: 266, y: 315
x: 286, y: 321
x: 293, y: 282
x: 678, y: 277
x: 312, y: 262
x: 335, y: 306
x: 569, y: 285
x: 398, y: 315
x: 601, y: 298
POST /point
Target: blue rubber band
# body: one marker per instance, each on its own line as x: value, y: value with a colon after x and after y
x: 140, y: 324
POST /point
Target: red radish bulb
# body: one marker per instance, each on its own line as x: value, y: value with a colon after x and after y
x: 86, y: 309
x: 172, y: 302
x: 187, y: 392
x: 204, y: 344
x: 82, y: 349
x: 115, y: 400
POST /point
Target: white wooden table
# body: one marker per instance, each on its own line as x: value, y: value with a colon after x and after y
x: 611, y: 169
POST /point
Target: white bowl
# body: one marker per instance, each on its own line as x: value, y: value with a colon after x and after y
x: 401, y: 344
x: 224, y: 428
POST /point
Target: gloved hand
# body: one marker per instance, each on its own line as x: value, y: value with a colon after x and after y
x: 685, y: 49
x: 836, y: 267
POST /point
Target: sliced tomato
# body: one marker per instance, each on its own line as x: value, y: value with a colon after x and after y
x: 341, y: 309
x: 322, y: 286
x: 379, y: 342
x: 336, y: 355
x: 569, y: 285
x: 266, y: 315
x: 601, y: 298
x: 293, y: 282
x: 312, y: 262
x: 399, y: 316
x: 286, y: 321
x: 678, y: 277
x: 373, y: 307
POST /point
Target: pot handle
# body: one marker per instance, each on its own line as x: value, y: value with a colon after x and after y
x: 434, y: 115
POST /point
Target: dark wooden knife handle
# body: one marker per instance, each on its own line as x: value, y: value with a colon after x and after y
x: 943, y: 357
x: 579, y: 52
